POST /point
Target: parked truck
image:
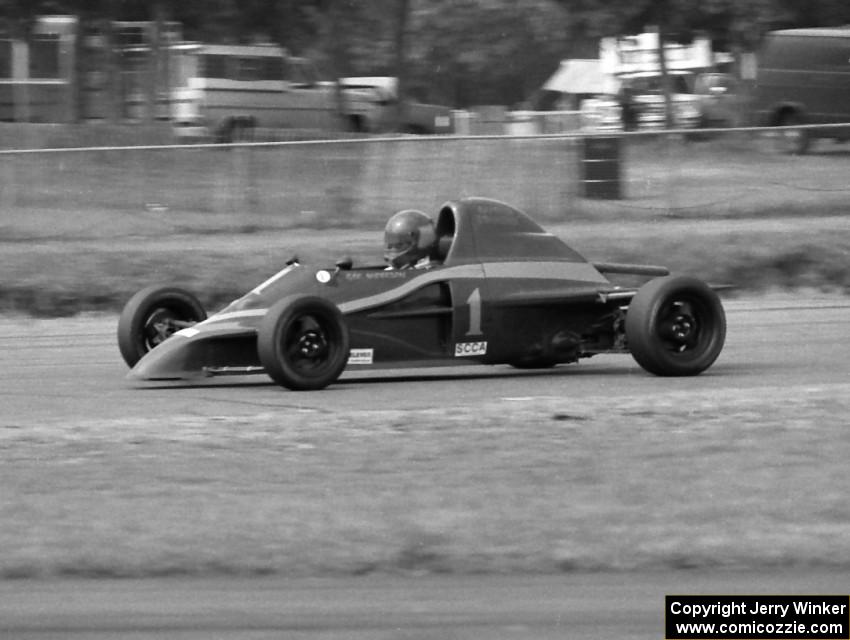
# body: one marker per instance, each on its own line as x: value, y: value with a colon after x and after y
x: 230, y: 91
x: 382, y: 108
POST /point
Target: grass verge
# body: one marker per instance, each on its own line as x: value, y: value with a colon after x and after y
x: 523, y: 485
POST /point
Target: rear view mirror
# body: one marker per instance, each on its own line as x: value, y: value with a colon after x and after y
x: 344, y: 264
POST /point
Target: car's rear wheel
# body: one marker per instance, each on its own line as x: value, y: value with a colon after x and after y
x: 675, y: 326
x: 152, y: 316
x: 793, y: 141
x: 303, y: 342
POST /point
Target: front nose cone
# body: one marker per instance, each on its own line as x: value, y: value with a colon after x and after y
x: 171, y: 360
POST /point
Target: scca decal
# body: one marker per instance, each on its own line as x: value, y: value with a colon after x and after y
x: 361, y: 356
x: 466, y: 349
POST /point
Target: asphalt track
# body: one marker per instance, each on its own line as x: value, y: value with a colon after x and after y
x: 70, y: 370
x: 622, y: 606
x: 53, y: 371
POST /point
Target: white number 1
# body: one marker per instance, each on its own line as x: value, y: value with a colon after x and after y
x: 474, y: 302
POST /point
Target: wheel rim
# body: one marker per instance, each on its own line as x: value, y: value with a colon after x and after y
x: 791, y: 140
x: 307, y: 345
x: 160, y: 325
x: 684, y: 326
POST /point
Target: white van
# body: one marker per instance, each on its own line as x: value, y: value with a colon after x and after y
x: 222, y: 89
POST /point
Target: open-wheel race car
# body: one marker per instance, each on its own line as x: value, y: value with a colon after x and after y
x: 499, y: 290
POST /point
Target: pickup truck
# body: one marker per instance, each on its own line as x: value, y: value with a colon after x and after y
x: 371, y: 103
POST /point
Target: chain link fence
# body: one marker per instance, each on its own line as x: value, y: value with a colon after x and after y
x: 83, y: 229
x: 358, y: 183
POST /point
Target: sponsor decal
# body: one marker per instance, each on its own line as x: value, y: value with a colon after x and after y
x: 374, y: 275
x: 469, y: 349
x: 361, y: 356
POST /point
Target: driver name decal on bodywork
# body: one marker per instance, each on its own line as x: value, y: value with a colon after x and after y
x: 469, y: 349
x: 361, y: 356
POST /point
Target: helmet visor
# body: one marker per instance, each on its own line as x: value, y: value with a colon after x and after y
x: 396, y: 246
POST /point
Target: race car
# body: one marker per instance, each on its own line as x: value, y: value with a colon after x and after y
x: 499, y: 290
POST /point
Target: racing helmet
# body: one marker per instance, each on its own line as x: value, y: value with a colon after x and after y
x: 409, y: 236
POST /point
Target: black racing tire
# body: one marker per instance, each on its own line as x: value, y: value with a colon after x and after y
x: 675, y: 326
x: 357, y: 124
x: 224, y: 131
x: 152, y: 316
x: 303, y: 342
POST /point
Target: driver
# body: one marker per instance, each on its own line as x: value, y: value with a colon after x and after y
x: 409, y: 240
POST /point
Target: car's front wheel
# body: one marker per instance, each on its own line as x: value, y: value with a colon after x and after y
x: 675, y: 326
x: 303, y: 342
x: 152, y: 316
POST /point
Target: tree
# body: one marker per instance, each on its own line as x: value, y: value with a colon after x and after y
x: 735, y: 23
x: 485, y: 51
x: 821, y: 13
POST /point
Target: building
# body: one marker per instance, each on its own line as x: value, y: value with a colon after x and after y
x: 68, y: 72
